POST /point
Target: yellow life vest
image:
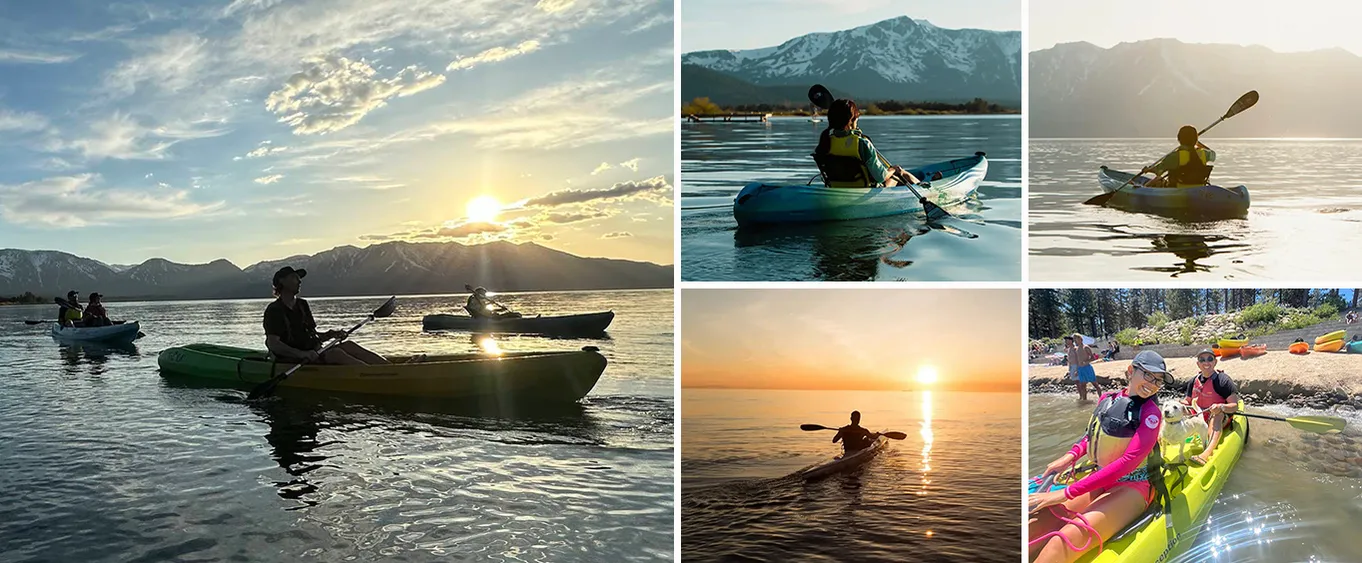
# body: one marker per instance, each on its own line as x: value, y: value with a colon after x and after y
x: 849, y: 146
x: 1191, y: 173
x: 73, y: 315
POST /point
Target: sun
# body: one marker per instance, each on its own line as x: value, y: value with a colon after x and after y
x: 926, y: 375
x: 483, y: 209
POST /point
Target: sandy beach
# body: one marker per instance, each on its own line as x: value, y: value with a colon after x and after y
x: 1320, y: 379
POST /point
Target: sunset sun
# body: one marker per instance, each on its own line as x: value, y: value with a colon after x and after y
x: 483, y: 209
x: 926, y: 375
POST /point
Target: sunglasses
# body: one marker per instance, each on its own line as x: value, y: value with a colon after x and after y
x: 1205, y: 358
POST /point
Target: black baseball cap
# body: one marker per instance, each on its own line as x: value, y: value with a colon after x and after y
x: 286, y: 270
x: 96, y: 294
x: 72, y: 293
x: 1152, y: 362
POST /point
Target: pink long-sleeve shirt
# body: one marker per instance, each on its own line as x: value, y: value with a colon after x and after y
x: 1143, y: 442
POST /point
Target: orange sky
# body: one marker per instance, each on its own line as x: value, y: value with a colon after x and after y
x: 861, y: 338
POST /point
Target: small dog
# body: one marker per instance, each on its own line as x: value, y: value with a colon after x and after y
x: 1178, y: 425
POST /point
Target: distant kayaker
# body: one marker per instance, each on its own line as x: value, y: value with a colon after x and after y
x: 1080, y: 364
x: 853, y: 437
x: 483, y: 307
x: 94, y: 314
x: 843, y: 137
x: 1120, y: 443
x: 68, y: 314
x: 291, y: 332
x: 1190, y: 165
x: 1213, y: 392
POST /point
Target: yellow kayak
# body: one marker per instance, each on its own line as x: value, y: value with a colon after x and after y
x: 1335, y: 335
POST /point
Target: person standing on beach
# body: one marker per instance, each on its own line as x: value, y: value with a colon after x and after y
x: 1080, y: 364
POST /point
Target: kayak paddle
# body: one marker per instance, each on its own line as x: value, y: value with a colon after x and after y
x: 494, y: 301
x: 264, y: 389
x: 1320, y: 424
x: 890, y: 435
x: 1244, y: 102
x: 821, y: 97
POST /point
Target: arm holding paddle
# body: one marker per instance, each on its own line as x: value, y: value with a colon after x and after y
x: 266, y: 388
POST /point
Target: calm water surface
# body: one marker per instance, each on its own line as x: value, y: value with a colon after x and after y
x: 718, y: 159
x: 1285, y: 500
x: 104, y: 460
x: 1306, y: 207
x: 949, y: 492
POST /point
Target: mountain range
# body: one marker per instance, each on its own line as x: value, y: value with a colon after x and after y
x: 391, y: 268
x: 895, y: 59
x: 1150, y: 88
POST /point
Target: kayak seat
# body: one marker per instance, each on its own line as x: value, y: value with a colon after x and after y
x: 842, y: 171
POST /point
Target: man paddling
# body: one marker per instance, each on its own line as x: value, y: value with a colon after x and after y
x: 1190, y: 165
x: 483, y: 307
x: 843, y: 138
x: 291, y: 332
x: 94, y: 314
x: 1215, y: 394
x: 68, y: 314
x: 853, y: 437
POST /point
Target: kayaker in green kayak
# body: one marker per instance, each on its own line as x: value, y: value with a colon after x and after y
x: 1188, y: 166
x: 94, y: 314
x: 843, y: 138
x: 291, y: 332
x: 1121, y: 444
x: 69, y: 313
x: 853, y: 437
x: 1215, y: 394
x: 483, y: 307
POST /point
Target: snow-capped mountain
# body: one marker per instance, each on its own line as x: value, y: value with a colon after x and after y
x: 900, y: 59
x: 388, y: 268
x: 1150, y: 88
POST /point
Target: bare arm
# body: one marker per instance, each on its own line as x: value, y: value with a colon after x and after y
x: 277, y: 347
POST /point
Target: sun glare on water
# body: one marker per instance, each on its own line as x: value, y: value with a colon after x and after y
x: 926, y: 375
x: 483, y: 209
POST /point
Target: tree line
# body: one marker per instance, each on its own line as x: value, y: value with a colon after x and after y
x: 1055, y: 312
x: 28, y: 298
x: 704, y: 106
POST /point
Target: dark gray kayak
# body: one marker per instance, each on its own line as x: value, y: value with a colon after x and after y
x: 586, y: 324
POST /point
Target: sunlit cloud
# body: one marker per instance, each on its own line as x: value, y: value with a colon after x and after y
x: 631, y: 164
x: 20, y: 122
x: 602, y: 168
x: 267, y: 180
x: 334, y: 92
x: 74, y: 201
x: 617, y: 234
x: 652, y: 188
x: 14, y: 56
x: 554, y: 6
x: 493, y: 55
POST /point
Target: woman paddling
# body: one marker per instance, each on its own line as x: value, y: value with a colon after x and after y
x: 843, y: 138
x: 1121, y: 436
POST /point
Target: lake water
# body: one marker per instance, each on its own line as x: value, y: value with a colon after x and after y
x: 1278, y: 504
x: 102, y: 459
x: 949, y: 492
x: 982, y: 243
x: 1305, y: 210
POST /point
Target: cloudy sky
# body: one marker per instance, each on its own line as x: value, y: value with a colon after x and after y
x: 259, y: 129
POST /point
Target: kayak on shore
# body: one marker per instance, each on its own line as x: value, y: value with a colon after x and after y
x: 951, y: 182
x: 845, y: 461
x: 586, y: 324
x: 113, y: 334
x: 1195, y: 203
x: 512, y: 377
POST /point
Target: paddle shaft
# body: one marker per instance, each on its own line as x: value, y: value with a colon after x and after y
x: 268, y: 387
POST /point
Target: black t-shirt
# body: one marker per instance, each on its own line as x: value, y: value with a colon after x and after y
x: 854, y: 437
x: 1224, y: 386
x: 294, y: 326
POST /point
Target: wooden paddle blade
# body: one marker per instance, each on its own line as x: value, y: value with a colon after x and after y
x: 895, y: 435
x: 1244, y: 102
x: 813, y: 427
x: 820, y: 96
x: 1320, y: 424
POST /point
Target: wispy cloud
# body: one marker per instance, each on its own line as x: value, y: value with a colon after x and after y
x: 554, y: 6
x: 631, y: 164
x: 74, y: 201
x: 602, y: 168
x: 267, y: 180
x: 493, y: 55
x: 617, y: 234
x: 652, y: 188
x: 334, y: 92
x: 15, y: 56
x: 266, y: 148
x: 370, y: 182
x: 21, y: 121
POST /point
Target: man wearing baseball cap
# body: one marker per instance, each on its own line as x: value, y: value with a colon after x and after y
x: 69, y: 312
x: 95, y: 315
x: 291, y: 332
x: 1214, y: 394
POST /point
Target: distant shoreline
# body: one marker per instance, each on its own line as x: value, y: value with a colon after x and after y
x: 324, y: 297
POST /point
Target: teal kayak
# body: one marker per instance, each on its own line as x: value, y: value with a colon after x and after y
x: 1354, y: 347
x: 845, y: 461
x: 586, y: 324
x: 1198, y: 202
x: 951, y: 182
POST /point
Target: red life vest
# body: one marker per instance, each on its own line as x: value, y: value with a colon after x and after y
x: 1204, y: 395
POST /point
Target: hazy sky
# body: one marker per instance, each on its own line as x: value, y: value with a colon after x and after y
x: 851, y: 338
x: 259, y: 129
x: 716, y: 24
x: 1298, y: 25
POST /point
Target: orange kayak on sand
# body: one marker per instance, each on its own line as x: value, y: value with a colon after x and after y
x: 1330, y: 346
x: 1225, y: 352
x: 1253, y: 350
x: 1299, y: 348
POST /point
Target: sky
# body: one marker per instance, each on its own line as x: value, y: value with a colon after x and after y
x: 260, y: 129
x: 844, y: 338
x: 1299, y: 25
x: 752, y: 24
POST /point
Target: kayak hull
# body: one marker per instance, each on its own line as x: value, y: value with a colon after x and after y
x: 587, y: 324
x: 1299, y: 348
x: 113, y: 334
x: 761, y: 203
x: 1252, y: 351
x: 1330, y: 346
x: 1335, y: 335
x: 1354, y: 347
x: 514, y: 377
x: 1198, y: 202
x: 1231, y: 342
x: 845, y: 462
x: 1152, y: 540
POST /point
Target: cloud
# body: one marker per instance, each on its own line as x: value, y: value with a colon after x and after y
x: 294, y: 241
x: 631, y: 164
x: 370, y: 182
x: 554, y: 6
x: 617, y: 234
x: 656, y: 186
x: 265, y: 149
x: 73, y: 201
x: 494, y: 55
x: 171, y: 63
x: 602, y: 168
x: 565, y: 217
x: 21, y: 121
x: 334, y: 92
x: 267, y: 180
x: 34, y: 57
x: 640, y: 219
x: 464, y: 230
x: 119, y: 137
